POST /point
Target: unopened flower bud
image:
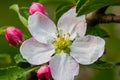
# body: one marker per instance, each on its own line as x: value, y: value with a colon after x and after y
x: 37, y: 7
x: 14, y: 36
x: 44, y: 73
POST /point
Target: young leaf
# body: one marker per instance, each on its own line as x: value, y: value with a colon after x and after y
x: 48, y: 2
x: 97, y: 31
x: 5, y: 59
x: 25, y: 37
x: 22, y: 13
x: 18, y: 58
x: 86, y: 6
x: 11, y: 73
x: 101, y: 65
x: 32, y: 76
x: 61, y: 9
x: 21, y: 62
x: 2, y: 31
x: 79, y: 4
x: 15, y: 73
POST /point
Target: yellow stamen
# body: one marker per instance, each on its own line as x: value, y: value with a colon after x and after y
x: 62, y: 43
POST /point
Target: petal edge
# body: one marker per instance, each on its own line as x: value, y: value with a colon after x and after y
x: 36, y: 53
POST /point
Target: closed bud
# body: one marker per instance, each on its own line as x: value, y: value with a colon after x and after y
x: 14, y: 36
x: 44, y: 73
x: 37, y: 7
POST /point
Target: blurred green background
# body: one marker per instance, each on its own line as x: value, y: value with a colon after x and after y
x: 10, y: 18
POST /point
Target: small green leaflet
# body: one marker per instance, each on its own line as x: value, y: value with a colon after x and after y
x: 18, y: 58
x: 79, y: 4
x: 61, y: 9
x: 97, y: 31
x: 11, y: 73
x: 21, y: 62
x: 15, y: 73
x: 60, y: 6
x: 22, y: 13
x: 48, y: 2
x: 101, y: 65
x: 86, y: 6
x: 2, y: 31
x: 5, y: 59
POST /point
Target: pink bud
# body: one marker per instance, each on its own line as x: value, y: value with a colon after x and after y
x: 37, y: 7
x: 44, y: 73
x: 14, y: 36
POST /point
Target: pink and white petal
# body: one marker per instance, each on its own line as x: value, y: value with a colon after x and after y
x: 78, y: 30
x: 88, y: 49
x: 35, y: 52
x: 63, y: 67
x: 69, y: 23
x: 41, y: 27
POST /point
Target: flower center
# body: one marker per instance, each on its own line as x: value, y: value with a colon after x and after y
x: 62, y: 43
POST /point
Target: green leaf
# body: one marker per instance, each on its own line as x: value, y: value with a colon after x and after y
x: 102, y: 65
x: 18, y: 58
x: 79, y: 4
x: 2, y: 31
x: 15, y: 73
x: 52, y: 5
x: 25, y: 37
x: 97, y: 31
x: 49, y: 2
x: 21, y: 62
x: 5, y: 59
x: 62, y: 9
x: 11, y: 73
x: 22, y: 13
x: 86, y: 6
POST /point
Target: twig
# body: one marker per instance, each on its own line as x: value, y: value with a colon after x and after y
x: 99, y: 16
x: 110, y: 18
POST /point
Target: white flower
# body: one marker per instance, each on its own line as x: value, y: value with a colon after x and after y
x: 67, y: 41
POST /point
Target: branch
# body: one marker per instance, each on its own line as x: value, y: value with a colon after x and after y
x: 110, y: 18
x: 99, y: 16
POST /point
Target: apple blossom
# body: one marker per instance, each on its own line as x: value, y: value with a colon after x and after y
x: 44, y: 73
x: 64, y: 46
x: 14, y: 36
x: 37, y: 7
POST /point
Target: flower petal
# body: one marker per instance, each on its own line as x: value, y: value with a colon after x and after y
x: 69, y: 23
x: 41, y: 27
x: 63, y: 67
x: 36, y: 53
x: 88, y: 49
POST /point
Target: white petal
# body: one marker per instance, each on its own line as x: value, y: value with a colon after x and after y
x: 63, y: 67
x: 88, y: 49
x: 41, y: 27
x: 36, y: 53
x: 69, y: 23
